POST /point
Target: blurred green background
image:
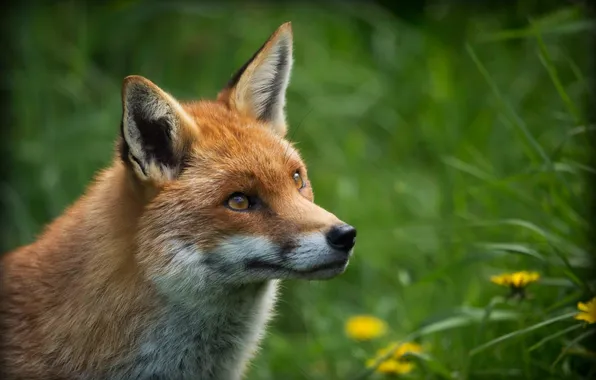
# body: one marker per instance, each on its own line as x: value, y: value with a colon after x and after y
x: 453, y: 138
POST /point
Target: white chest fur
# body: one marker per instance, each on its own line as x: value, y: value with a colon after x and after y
x: 212, y: 340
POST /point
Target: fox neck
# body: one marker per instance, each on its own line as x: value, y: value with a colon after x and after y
x: 210, y: 339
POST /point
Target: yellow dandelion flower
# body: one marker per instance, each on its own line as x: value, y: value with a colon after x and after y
x: 408, y: 347
x: 587, y: 311
x: 516, y: 280
x: 365, y: 327
x: 392, y: 366
x: 395, y: 364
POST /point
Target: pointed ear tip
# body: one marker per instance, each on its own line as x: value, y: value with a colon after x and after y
x: 132, y: 82
x: 132, y: 79
x: 286, y: 27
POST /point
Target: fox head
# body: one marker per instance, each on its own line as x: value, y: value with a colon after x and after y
x: 230, y: 199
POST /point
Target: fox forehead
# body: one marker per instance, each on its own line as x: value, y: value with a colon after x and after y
x: 227, y: 144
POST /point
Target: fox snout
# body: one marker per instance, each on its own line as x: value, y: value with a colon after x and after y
x: 313, y: 255
x: 342, y: 237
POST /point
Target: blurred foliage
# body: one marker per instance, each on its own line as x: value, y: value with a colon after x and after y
x: 454, y: 141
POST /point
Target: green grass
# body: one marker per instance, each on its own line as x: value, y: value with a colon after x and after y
x: 455, y: 157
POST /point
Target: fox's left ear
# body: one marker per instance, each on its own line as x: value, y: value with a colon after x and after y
x: 258, y: 89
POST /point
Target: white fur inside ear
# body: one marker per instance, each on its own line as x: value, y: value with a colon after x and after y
x: 150, y: 127
x: 267, y: 84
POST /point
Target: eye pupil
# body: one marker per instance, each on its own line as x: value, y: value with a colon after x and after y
x: 238, y: 202
x: 298, y: 180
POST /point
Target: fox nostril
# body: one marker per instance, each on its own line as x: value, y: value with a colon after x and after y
x: 342, y: 237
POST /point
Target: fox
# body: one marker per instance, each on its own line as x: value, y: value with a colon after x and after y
x: 168, y: 265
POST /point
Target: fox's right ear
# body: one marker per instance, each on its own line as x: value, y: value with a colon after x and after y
x: 153, y: 142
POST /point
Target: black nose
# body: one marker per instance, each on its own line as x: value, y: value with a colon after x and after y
x: 342, y: 237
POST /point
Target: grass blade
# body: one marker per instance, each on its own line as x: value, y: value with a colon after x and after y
x: 512, y: 248
x: 546, y: 61
x: 466, y: 319
x: 430, y: 364
x: 553, y: 336
x: 571, y: 344
x: 518, y: 122
x: 519, y: 333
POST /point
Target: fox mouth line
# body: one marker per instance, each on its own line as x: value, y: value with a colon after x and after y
x: 259, y: 264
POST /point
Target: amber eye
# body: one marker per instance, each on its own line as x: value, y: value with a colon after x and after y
x: 298, y: 180
x: 238, y: 202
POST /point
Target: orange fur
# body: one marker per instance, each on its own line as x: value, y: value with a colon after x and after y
x: 79, y: 298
